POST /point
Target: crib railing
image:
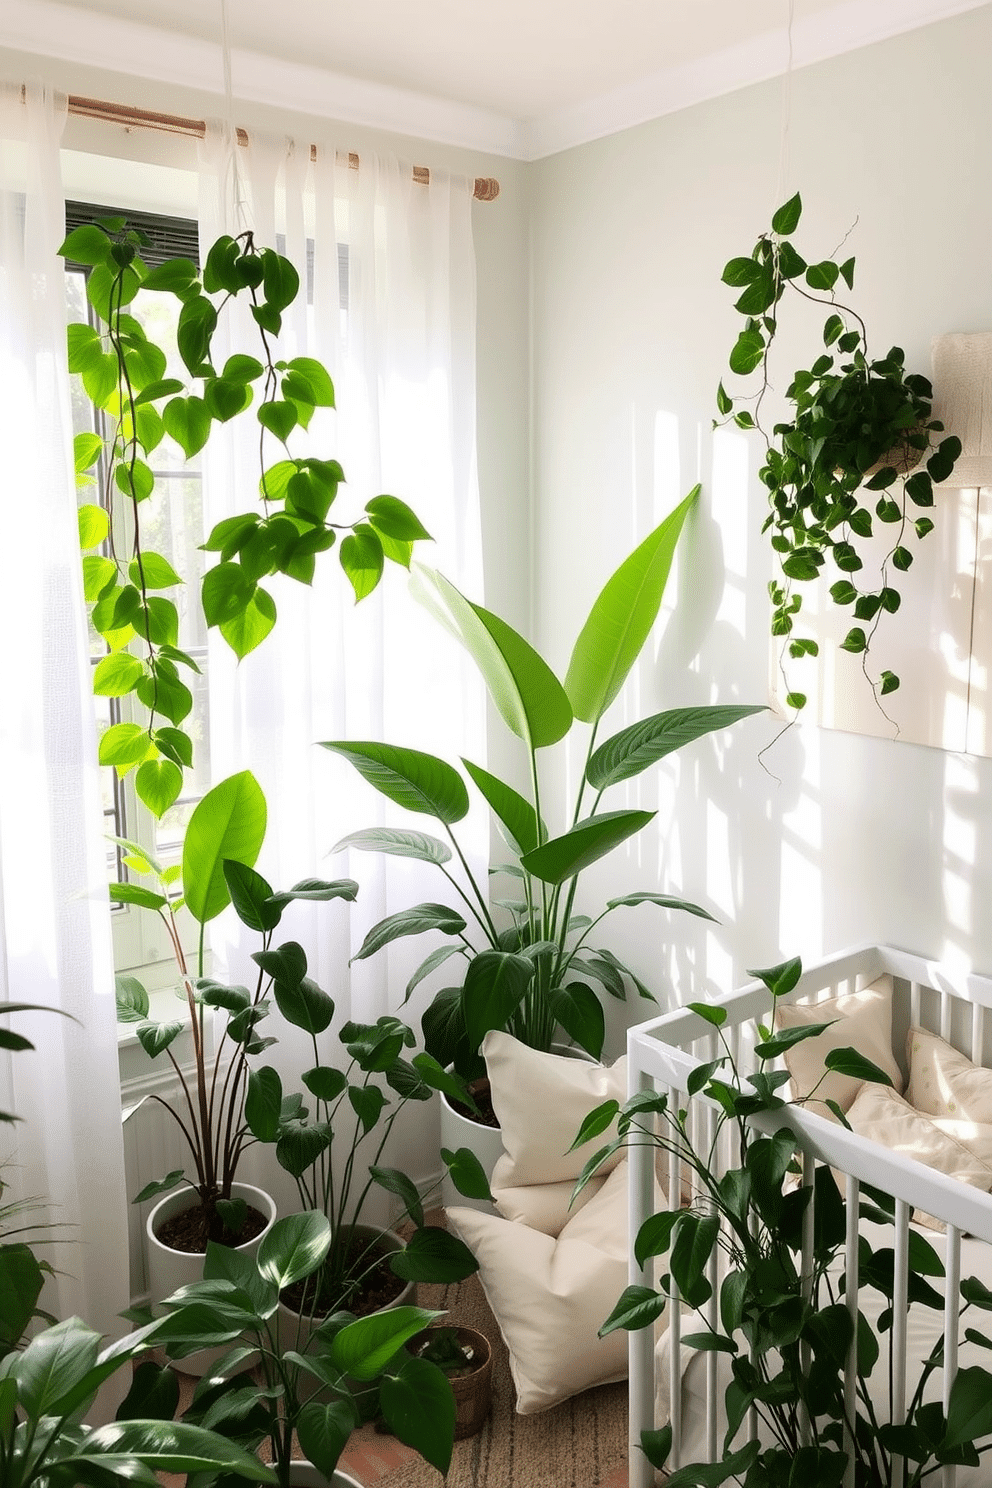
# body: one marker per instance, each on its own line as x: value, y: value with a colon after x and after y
x: 663, y: 1054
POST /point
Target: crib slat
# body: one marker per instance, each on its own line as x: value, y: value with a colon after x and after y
x: 945, y: 1015
x: 851, y: 1298
x: 900, y: 1291
x: 675, y: 1318
x: 914, y: 1004
x: 712, y: 1306
x: 640, y: 1341
x: 952, y: 1283
x: 805, y: 1355
x: 977, y: 1032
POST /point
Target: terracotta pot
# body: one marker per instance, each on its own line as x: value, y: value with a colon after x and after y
x: 170, y: 1269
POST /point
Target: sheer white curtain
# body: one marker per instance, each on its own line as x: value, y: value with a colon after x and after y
x: 55, y: 944
x: 388, y: 305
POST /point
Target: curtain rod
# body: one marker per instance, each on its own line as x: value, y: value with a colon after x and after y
x: 486, y: 187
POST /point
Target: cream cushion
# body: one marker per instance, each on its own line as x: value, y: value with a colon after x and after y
x: 541, y: 1101
x: 944, y: 1082
x: 863, y: 1022
x: 961, y: 1149
x: 550, y: 1296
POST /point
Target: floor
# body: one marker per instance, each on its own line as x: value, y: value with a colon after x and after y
x: 370, y: 1456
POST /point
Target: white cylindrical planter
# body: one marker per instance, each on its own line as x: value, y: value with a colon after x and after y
x: 486, y: 1142
x: 305, y: 1475
x: 168, y: 1269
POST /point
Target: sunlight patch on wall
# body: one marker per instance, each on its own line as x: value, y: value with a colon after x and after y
x: 729, y: 501
x: 960, y: 836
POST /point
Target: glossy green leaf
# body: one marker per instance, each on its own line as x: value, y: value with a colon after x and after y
x: 323, y: 1429
x: 663, y: 901
x: 529, y: 697
x: 158, y: 783
x: 850, y: 1062
x: 294, y: 1248
x: 362, y: 560
x: 414, y: 780
x: 263, y: 1103
x: 513, y: 811
x: 786, y: 218
x: 229, y: 822
x: 88, y: 244
x: 250, y: 626
x: 123, y: 745
x: 495, y: 984
x: 393, y: 518
x: 638, y: 1307
x: 580, y: 1013
x: 415, y: 921
x: 643, y: 744
x: 467, y: 1173
x: 187, y: 421
x: 419, y: 1408
x: 564, y: 857
x: 94, y: 525
x: 397, y: 843
x: 117, y: 674
x: 969, y: 1414
x: 304, y: 1005
x: 364, y: 1348
x: 434, y: 1255
x: 621, y: 619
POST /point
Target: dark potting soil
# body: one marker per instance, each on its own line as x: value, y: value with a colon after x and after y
x: 480, y: 1094
x: 190, y: 1230
x: 378, y: 1288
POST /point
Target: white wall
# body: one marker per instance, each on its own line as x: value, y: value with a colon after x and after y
x: 834, y: 838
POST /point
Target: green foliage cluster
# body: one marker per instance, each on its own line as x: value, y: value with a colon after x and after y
x: 537, y: 970
x: 266, y: 1387
x: 124, y: 374
x: 841, y: 461
x: 788, y: 1334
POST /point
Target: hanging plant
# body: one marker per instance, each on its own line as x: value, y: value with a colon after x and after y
x: 124, y: 374
x: 858, y: 447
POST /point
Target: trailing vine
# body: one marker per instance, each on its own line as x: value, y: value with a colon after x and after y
x: 847, y: 457
x: 124, y: 374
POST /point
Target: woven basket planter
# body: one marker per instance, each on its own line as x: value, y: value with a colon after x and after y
x: 473, y: 1392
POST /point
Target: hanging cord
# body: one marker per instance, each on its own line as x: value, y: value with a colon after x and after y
x: 234, y: 180
x: 786, y: 121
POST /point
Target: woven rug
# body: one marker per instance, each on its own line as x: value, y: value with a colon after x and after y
x: 579, y: 1444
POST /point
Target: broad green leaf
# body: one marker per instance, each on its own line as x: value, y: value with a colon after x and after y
x: 786, y: 218
x: 294, y: 1248
x: 969, y: 1414
x: 419, y: 1408
x: 153, y: 571
x: 414, y: 780
x: 621, y: 619
x: 664, y: 901
x: 434, y: 1255
x: 304, y: 1005
x: 850, y: 1062
x: 580, y: 1013
x: 53, y: 1363
x: 158, y: 783
x: 160, y: 1186
x: 398, y: 844
x: 250, y: 626
x: 564, y: 857
x: 413, y: 921
x: 155, y: 1038
x: 123, y: 745
x: 365, y: 1347
x: 393, y: 518
x: 323, y: 1429
x: 528, y: 695
x: 395, y: 1182
x: 596, y: 1122
x: 638, y: 1307
x: 131, y: 893
x: 131, y: 998
x: 117, y: 674
x: 88, y: 244
x: 712, y: 1474
x: 361, y: 558
x: 467, y: 1173
x: 229, y: 822
x: 780, y: 979
x: 515, y: 813
x: 94, y: 525
x: 644, y: 743
x: 495, y: 984
x: 187, y: 420
x: 251, y: 896
x: 263, y: 1103
x: 163, y: 1446
x: 175, y: 274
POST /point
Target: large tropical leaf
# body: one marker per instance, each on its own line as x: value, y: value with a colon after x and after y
x: 417, y: 781
x: 294, y: 1248
x: 563, y: 857
x: 398, y: 843
x: 530, y: 699
x: 644, y: 743
x: 515, y: 813
x: 620, y: 620
x: 495, y: 984
x: 419, y: 1409
x: 410, y: 922
x: 229, y: 823
x: 164, y: 1446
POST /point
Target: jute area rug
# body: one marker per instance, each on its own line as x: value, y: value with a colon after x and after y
x: 579, y: 1444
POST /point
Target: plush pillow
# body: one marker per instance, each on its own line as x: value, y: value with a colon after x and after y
x: 545, y: 1206
x: 961, y: 1149
x: 863, y: 1022
x: 541, y: 1101
x: 943, y: 1082
x: 550, y: 1296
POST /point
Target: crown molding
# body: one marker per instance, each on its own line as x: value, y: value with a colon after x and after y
x: 845, y: 27
x: 70, y: 34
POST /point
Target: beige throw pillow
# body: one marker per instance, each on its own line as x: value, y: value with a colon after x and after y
x: 550, y: 1296
x: 541, y: 1101
x: 944, y: 1082
x: 961, y: 1149
x: 861, y: 1021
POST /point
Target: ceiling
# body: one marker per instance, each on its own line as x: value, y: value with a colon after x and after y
x: 525, y: 77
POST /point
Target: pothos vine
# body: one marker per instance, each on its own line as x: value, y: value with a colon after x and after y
x: 124, y: 374
x: 859, y: 430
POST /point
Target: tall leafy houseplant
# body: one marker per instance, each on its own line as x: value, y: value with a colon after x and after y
x: 128, y: 584
x: 360, y: 1365
x: 857, y: 446
x: 780, y: 1320
x: 227, y: 1099
x: 528, y: 964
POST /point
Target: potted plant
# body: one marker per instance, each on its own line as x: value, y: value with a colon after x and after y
x: 780, y: 1320
x: 127, y: 377
x: 846, y: 455
x: 528, y: 963
x: 359, y: 1365
x: 330, y: 1137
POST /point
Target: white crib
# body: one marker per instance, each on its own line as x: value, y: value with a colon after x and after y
x: 662, y: 1054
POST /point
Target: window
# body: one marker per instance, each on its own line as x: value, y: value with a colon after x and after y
x: 173, y: 519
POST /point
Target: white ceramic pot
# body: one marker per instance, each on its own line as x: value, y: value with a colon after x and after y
x: 170, y: 1269
x: 305, y: 1475
x: 294, y: 1328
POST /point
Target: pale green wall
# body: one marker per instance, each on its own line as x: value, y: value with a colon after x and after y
x: 855, y: 839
